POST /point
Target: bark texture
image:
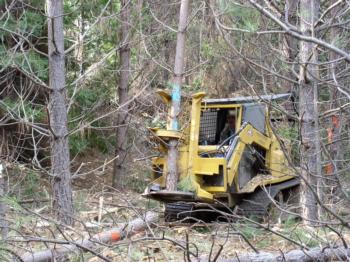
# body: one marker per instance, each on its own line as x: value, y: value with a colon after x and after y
x: 83, y: 245
x: 119, y: 171
x: 289, y: 45
x: 60, y: 159
x: 315, y: 254
x: 173, y: 154
x: 3, y: 207
x: 308, y: 112
x: 336, y: 121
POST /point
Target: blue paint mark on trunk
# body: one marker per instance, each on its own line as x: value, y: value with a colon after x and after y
x: 176, y: 99
x: 176, y: 93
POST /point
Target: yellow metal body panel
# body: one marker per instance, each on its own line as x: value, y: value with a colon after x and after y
x: 261, y: 180
x: 165, y: 135
x: 199, y: 168
x: 166, y: 97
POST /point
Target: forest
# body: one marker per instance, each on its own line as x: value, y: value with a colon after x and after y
x: 180, y: 130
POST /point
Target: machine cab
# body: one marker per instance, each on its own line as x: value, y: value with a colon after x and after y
x: 220, y: 121
x: 218, y: 124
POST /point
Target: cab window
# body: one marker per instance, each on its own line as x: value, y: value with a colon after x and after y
x: 216, y: 124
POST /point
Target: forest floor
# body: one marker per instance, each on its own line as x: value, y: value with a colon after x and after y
x: 100, y: 211
x: 98, y: 208
x: 202, y: 239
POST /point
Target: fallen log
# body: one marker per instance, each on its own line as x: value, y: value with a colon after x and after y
x: 314, y: 254
x: 89, y: 244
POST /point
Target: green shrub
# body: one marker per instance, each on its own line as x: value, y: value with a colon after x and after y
x: 23, y: 109
x: 186, y: 184
x: 250, y: 232
x: 77, y: 144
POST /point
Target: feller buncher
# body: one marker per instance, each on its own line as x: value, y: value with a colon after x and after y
x: 228, y: 156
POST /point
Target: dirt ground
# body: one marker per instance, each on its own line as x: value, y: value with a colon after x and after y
x: 99, y: 208
x: 102, y: 210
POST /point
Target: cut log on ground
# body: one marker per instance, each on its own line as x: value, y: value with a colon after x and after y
x: 83, y: 245
x: 314, y: 254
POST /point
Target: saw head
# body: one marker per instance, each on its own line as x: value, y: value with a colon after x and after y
x: 155, y: 192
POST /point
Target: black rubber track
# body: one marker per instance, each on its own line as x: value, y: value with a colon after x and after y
x: 177, y: 211
x: 255, y: 204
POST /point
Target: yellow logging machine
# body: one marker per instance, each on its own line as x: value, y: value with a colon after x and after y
x: 229, y: 156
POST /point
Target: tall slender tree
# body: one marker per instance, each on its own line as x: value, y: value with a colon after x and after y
x: 57, y: 108
x: 289, y: 44
x: 308, y: 112
x: 3, y: 207
x: 123, y: 89
x: 336, y: 123
x: 172, y: 176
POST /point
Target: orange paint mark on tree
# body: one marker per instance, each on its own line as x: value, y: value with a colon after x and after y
x: 335, y: 121
x: 329, y: 169
x: 330, y: 135
x: 115, y: 236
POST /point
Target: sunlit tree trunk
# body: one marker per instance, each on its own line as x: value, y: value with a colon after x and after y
x: 119, y: 171
x: 3, y: 207
x: 336, y: 121
x: 308, y: 111
x: 79, y: 50
x: 289, y: 45
x: 172, y: 176
x: 60, y: 159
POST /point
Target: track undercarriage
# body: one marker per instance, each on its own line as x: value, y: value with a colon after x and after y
x: 256, y: 204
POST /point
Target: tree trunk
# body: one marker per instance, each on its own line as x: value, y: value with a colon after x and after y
x: 3, y: 206
x: 92, y: 242
x: 314, y: 254
x: 289, y: 44
x: 335, y: 129
x: 308, y: 111
x: 119, y: 171
x: 60, y: 159
x: 172, y: 176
